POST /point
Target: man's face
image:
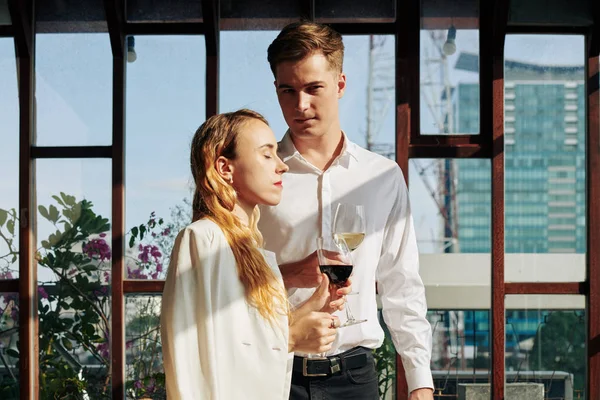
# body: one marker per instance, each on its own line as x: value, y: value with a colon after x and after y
x: 308, y: 91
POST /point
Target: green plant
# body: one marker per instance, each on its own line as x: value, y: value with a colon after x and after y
x: 74, y: 306
x: 385, y: 363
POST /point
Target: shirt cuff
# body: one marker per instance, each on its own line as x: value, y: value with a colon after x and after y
x: 419, y: 378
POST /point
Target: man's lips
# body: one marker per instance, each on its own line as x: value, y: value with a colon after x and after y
x: 302, y: 120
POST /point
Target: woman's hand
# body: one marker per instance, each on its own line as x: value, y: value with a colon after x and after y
x: 327, y: 298
x: 314, y: 332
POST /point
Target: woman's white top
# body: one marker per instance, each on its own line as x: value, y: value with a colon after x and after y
x: 215, y: 345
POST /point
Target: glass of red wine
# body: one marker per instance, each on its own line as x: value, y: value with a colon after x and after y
x: 335, y: 260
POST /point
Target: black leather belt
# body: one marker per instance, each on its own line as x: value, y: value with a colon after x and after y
x: 354, y: 358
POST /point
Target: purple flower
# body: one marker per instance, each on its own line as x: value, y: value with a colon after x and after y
x: 103, y: 291
x: 102, y: 235
x: 6, y: 275
x: 147, y: 251
x: 159, y: 267
x: 128, y: 344
x: 151, y: 385
x: 103, y: 349
x: 166, y: 232
x: 138, y: 384
x: 42, y: 292
x: 97, y: 249
x: 136, y: 274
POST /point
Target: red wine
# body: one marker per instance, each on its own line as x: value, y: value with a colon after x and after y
x: 338, y: 274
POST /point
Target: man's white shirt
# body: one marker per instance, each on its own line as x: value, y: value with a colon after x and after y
x: 388, y: 254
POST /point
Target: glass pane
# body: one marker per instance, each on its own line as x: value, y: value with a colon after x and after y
x: 449, y: 70
x: 9, y: 161
x: 73, y: 89
x: 165, y: 10
x: 252, y: 87
x: 74, y: 260
x: 4, y: 14
x: 145, y: 374
x: 461, y: 349
x: 454, y: 212
x: 165, y: 106
x: 545, y: 347
x: 451, y: 206
x: 545, y: 158
x: 9, y: 341
x: 355, y: 11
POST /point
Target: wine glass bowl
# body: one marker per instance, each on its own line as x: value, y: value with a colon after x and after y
x: 335, y: 260
x: 349, y: 224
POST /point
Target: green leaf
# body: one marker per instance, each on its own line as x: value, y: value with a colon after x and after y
x: 131, y: 241
x: 142, y: 231
x: 134, y: 231
x: 89, y: 268
x: 69, y: 200
x: 12, y: 352
x: 10, y: 225
x: 44, y: 211
x: 68, y: 226
x: 67, y: 343
x: 45, y: 244
x: 58, y: 200
x: 3, y: 216
x: 54, y: 215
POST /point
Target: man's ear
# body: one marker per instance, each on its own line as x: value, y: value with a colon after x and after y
x: 341, y: 85
x: 224, y: 168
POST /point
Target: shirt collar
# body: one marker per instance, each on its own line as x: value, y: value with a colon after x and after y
x: 287, y: 150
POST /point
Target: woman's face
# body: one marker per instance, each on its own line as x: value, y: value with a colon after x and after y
x: 257, y: 169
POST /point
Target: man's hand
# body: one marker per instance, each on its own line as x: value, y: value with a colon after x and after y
x: 302, y: 274
x: 421, y: 394
x: 313, y: 332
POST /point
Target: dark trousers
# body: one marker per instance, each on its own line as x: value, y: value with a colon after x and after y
x: 358, y: 383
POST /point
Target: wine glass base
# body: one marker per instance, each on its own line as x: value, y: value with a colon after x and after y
x: 352, y: 322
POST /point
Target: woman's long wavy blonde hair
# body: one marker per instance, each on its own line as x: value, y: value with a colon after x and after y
x: 215, y: 198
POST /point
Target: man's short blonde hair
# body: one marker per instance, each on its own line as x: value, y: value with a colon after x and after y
x: 301, y: 39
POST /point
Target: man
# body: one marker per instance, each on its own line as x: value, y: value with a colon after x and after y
x: 326, y: 169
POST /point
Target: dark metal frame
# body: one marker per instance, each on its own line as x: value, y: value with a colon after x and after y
x: 410, y: 143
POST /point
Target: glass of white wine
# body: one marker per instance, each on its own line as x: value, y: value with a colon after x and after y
x: 349, y: 224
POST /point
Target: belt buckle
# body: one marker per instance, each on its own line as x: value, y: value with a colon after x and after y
x: 305, y: 368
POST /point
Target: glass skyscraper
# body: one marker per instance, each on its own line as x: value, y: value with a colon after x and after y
x: 544, y: 162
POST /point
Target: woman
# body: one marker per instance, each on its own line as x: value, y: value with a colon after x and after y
x: 225, y: 320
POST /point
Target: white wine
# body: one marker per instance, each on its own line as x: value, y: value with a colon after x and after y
x: 353, y: 240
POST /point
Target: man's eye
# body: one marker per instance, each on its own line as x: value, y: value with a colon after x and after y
x: 268, y: 156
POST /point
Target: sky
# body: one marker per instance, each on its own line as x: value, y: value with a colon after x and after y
x: 165, y: 104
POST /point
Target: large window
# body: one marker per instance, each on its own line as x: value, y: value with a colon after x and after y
x: 9, y: 162
x: 165, y: 105
x: 545, y: 158
x: 497, y: 144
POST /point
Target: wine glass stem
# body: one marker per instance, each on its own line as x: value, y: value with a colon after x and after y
x: 349, y: 315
